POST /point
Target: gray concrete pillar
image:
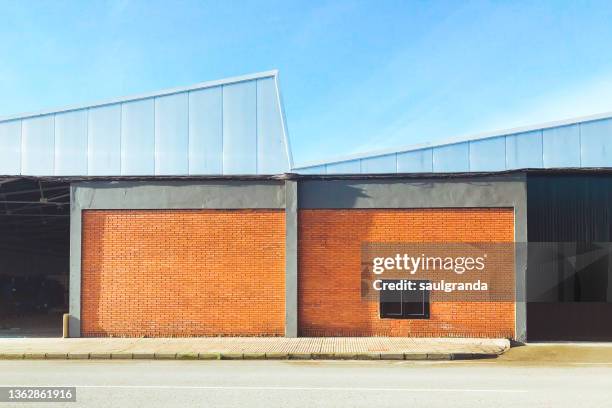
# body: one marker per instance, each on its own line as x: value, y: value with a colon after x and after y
x: 74, y: 293
x: 291, y: 261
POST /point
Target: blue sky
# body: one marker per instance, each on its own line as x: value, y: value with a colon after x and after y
x: 355, y: 75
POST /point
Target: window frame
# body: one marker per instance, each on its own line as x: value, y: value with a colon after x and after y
x: 425, y: 302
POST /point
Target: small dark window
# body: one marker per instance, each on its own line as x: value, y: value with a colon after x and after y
x: 404, y: 304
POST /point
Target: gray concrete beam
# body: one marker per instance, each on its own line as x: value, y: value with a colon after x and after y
x: 212, y: 194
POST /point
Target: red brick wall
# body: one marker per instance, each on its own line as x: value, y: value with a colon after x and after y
x: 330, y: 302
x: 183, y: 273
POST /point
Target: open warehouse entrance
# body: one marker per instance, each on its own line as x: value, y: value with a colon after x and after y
x: 34, y: 256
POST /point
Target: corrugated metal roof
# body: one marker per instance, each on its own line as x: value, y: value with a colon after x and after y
x: 236, y: 126
x: 584, y: 142
x: 226, y: 127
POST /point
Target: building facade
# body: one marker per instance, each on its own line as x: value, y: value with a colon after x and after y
x: 188, y: 217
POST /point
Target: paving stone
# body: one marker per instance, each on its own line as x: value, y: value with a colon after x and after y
x: 324, y: 356
x: 56, y: 356
x: 78, y: 356
x: 232, y: 356
x: 391, y: 356
x: 415, y: 356
x: 277, y: 356
x: 143, y: 356
x: 11, y: 356
x: 209, y: 356
x: 121, y: 356
x: 186, y: 356
x: 165, y: 356
x: 254, y: 356
x: 472, y: 356
x: 34, y: 356
x: 300, y: 356
x: 100, y: 356
x: 345, y: 356
x: 368, y: 356
x: 438, y: 356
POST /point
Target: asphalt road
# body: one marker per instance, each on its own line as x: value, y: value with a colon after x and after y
x: 486, y: 383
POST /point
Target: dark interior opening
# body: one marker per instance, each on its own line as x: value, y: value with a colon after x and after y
x: 406, y: 303
x: 569, y: 275
x: 34, y: 256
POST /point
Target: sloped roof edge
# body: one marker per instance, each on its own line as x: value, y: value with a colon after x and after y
x: 455, y: 140
x: 164, y: 92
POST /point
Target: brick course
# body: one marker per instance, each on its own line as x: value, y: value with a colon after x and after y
x: 183, y: 273
x: 329, y: 249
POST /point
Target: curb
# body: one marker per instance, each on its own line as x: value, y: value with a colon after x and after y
x: 247, y: 356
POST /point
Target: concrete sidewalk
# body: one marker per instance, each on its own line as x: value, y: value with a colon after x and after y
x: 238, y: 348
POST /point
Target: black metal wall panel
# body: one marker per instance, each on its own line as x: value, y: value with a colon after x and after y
x: 569, y: 208
x: 569, y: 228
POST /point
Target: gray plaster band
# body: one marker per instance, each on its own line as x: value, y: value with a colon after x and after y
x: 490, y: 191
x: 118, y: 195
x: 227, y: 194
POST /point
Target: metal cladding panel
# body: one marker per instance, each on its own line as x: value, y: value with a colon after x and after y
x: 206, y: 131
x: 488, y: 154
x: 596, y: 143
x: 10, y: 148
x: 172, y: 134
x: 71, y: 143
x: 138, y: 138
x: 347, y: 167
x: 270, y: 134
x: 233, y: 126
x: 380, y: 164
x: 236, y: 127
x: 104, y: 141
x: 451, y: 158
x: 38, y: 146
x: 240, y: 128
x: 312, y: 170
x: 416, y: 161
x: 561, y: 146
x: 524, y: 150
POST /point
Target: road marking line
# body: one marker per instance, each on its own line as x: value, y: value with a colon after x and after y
x: 273, y: 388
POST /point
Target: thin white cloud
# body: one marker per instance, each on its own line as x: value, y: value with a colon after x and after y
x: 581, y: 99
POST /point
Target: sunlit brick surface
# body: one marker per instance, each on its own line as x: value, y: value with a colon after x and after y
x: 183, y: 273
x: 330, y: 302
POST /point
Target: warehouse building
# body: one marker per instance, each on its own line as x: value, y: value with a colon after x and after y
x: 181, y: 213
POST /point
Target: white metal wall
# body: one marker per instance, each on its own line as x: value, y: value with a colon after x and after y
x: 235, y: 127
x: 582, y: 144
